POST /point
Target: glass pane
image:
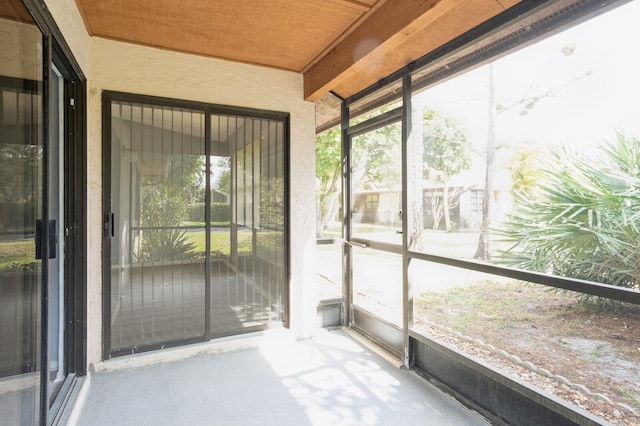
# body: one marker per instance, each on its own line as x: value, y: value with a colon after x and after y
x: 223, y: 286
x: 532, y: 162
x: 377, y: 185
x: 329, y: 184
x: 247, y: 253
x: 329, y: 270
x: 382, y: 100
x: 21, y: 177
x: 584, y: 353
x: 377, y: 283
x: 158, y: 279
x: 329, y: 215
x: 56, y: 217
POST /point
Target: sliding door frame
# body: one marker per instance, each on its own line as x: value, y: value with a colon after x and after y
x: 208, y: 110
x: 57, y: 51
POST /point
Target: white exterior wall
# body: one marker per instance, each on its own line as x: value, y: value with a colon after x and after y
x: 111, y: 65
x: 69, y: 20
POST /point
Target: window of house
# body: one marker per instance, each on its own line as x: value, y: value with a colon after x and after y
x: 371, y: 201
x: 477, y: 196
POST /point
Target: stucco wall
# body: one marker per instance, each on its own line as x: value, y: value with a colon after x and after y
x: 69, y: 20
x: 136, y: 69
x: 110, y: 65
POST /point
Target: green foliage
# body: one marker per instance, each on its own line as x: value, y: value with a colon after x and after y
x: 187, y: 175
x: 446, y: 147
x: 196, y: 212
x: 376, y: 158
x: 328, y: 151
x: 220, y: 213
x: 582, y: 218
x: 21, y: 172
x: 223, y: 182
x: 163, y: 209
x: 18, y: 256
x: 376, y: 164
x: 525, y: 169
x: 272, y: 203
x: 270, y: 242
x: 445, y: 154
x: 165, y: 244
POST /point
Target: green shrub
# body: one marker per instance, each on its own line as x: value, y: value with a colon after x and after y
x: 582, y: 217
x: 163, y: 210
x: 196, y: 212
x: 220, y: 212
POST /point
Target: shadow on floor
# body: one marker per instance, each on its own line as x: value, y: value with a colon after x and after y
x: 328, y: 380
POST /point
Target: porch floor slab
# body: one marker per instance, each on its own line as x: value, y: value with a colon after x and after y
x: 328, y: 380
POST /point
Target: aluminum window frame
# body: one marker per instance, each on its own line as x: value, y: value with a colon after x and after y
x: 517, y: 27
x: 208, y: 110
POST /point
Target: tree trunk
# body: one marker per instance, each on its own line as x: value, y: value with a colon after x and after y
x: 483, y: 252
x: 445, y: 207
x: 328, y: 206
x: 415, y: 185
x: 436, y: 210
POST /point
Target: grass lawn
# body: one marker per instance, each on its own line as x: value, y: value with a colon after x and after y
x: 220, y: 242
x: 16, y: 255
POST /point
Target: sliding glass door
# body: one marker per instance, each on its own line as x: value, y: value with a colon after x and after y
x: 157, y: 272
x: 41, y: 220
x: 194, y: 223
x: 247, y: 223
x: 21, y: 177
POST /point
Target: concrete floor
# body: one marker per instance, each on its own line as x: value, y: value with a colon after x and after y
x: 328, y: 380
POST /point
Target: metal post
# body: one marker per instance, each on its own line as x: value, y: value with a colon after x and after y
x: 407, y: 218
x: 347, y: 272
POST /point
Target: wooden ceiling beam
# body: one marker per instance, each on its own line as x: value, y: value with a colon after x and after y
x: 381, y: 28
x: 372, y: 50
x: 375, y: 5
x: 363, y: 6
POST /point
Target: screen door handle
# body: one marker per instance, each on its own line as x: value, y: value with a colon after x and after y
x: 355, y: 244
x: 40, y: 237
x: 108, y: 226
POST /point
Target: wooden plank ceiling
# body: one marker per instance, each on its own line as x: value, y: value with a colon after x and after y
x: 14, y: 10
x: 338, y: 45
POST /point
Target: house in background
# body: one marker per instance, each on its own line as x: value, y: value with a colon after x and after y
x: 380, y: 207
x: 111, y: 111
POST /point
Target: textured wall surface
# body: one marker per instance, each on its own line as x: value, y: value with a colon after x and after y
x: 69, y: 20
x: 143, y: 70
x: 111, y: 65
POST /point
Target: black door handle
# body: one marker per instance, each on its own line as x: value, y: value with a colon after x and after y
x: 40, y: 232
x: 108, y: 226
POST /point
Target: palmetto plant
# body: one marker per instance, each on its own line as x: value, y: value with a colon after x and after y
x: 582, y: 218
x: 163, y: 209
